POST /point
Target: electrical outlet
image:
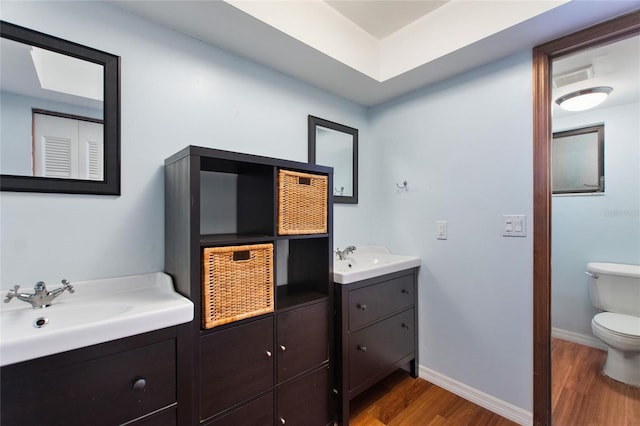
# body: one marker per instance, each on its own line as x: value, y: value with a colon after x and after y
x: 442, y: 230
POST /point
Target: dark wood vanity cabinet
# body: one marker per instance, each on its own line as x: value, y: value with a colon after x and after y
x: 131, y: 380
x: 270, y: 369
x: 376, y: 329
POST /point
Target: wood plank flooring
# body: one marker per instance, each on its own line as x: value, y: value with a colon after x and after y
x: 582, y: 395
x: 401, y: 400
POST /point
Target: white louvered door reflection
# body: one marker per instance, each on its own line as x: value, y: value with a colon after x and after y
x: 67, y: 148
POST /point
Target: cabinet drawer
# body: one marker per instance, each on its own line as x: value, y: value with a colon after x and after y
x: 305, y: 401
x: 302, y: 341
x: 235, y: 364
x: 256, y: 413
x: 370, y: 303
x: 374, y: 349
x: 104, y: 391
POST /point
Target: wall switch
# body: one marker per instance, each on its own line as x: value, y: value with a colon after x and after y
x: 442, y: 230
x: 515, y: 225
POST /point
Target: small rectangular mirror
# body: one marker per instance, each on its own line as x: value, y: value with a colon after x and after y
x: 336, y: 145
x: 578, y: 161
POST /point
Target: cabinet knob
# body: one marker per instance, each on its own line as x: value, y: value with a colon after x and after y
x: 139, y: 383
x: 283, y: 348
x: 362, y: 306
x: 283, y: 421
x: 404, y: 325
x: 269, y: 354
x: 362, y: 348
x: 405, y: 291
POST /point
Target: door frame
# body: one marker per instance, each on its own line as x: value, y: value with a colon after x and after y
x: 616, y: 29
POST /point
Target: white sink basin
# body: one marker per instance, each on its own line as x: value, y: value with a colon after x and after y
x: 98, y: 311
x: 368, y: 262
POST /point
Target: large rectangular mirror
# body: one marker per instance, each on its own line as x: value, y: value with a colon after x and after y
x: 336, y: 145
x: 59, y: 115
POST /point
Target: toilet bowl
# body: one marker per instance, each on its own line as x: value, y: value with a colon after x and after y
x: 615, y: 288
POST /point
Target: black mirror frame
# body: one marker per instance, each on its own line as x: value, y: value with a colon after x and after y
x: 598, y: 131
x: 311, y: 136
x: 111, y: 63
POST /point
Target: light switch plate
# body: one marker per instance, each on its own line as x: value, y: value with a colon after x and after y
x: 514, y: 225
x: 442, y: 230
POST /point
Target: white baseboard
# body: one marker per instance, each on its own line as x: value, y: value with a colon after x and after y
x: 581, y: 339
x: 491, y: 403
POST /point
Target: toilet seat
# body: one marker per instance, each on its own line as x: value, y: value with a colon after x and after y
x: 618, y: 331
x: 619, y: 324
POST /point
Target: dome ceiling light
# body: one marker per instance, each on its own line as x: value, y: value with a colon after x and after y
x: 582, y: 100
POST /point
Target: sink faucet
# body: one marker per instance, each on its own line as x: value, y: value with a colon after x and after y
x: 41, y: 298
x: 342, y: 254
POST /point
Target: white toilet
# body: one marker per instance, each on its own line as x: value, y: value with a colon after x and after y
x: 615, y: 288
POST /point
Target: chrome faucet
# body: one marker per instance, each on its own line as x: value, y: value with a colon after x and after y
x: 342, y: 254
x: 41, y: 298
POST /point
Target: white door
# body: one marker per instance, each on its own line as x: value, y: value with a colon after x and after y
x: 67, y: 147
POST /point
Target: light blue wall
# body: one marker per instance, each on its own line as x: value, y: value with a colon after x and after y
x: 176, y: 91
x: 465, y: 149
x: 602, y: 228
x: 464, y: 146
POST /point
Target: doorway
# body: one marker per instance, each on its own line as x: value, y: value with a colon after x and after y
x: 614, y: 30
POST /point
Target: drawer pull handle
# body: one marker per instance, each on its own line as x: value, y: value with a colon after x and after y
x: 404, y: 325
x: 269, y: 354
x: 283, y: 421
x: 283, y: 348
x: 362, y: 306
x: 139, y: 383
x: 362, y: 348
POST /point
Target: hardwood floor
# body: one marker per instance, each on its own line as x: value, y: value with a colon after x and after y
x: 582, y: 395
x: 402, y: 400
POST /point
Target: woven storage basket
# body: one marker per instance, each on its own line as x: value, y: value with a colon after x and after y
x: 237, y: 283
x: 302, y: 203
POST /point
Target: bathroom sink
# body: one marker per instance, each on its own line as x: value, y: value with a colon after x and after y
x: 98, y: 311
x: 368, y: 262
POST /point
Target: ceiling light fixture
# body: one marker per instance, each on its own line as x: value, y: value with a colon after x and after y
x: 581, y: 100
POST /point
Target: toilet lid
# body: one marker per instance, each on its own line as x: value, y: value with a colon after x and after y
x: 619, y: 323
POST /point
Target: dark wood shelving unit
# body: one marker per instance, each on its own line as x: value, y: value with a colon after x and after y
x: 211, y: 240
x: 275, y: 366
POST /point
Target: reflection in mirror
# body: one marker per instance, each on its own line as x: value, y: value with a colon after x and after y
x: 59, y: 115
x: 336, y: 145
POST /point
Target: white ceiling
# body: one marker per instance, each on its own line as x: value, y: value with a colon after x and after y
x: 373, y: 51
x: 381, y: 18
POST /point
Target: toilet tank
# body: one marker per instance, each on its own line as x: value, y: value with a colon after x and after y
x: 615, y: 287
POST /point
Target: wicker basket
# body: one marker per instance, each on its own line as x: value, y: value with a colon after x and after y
x: 302, y: 203
x: 237, y: 283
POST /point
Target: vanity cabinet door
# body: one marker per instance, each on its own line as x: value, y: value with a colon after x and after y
x: 376, y: 301
x: 106, y: 391
x: 306, y: 400
x: 302, y: 340
x: 235, y: 365
x: 375, y: 349
x: 256, y: 413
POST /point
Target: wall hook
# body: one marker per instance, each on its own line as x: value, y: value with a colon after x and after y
x: 402, y: 187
